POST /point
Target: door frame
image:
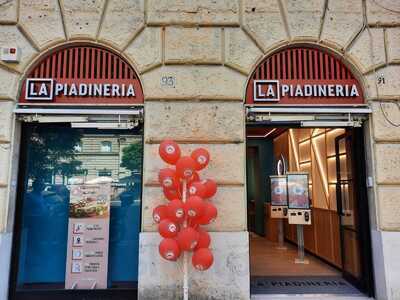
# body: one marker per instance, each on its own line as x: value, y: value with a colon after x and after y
x: 358, y: 160
x: 118, y: 293
x: 365, y: 232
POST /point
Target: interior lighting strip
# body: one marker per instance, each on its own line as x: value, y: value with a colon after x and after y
x: 294, y: 147
x: 320, y: 168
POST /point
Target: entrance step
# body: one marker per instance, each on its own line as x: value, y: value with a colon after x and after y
x: 309, y: 297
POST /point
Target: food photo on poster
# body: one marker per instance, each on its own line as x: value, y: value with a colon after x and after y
x: 88, y: 234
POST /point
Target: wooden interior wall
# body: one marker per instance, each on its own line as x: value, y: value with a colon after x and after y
x: 313, y: 151
x: 271, y: 225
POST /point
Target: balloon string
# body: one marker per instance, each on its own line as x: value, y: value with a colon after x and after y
x: 185, y: 255
x: 180, y: 265
x: 180, y: 195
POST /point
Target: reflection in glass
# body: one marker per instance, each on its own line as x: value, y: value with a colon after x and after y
x: 105, y: 146
x: 57, y: 157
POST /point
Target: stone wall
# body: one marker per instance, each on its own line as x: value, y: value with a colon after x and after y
x: 209, y: 48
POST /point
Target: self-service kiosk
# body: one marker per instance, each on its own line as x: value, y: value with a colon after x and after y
x: 299, y: 208
x: 279, y: 200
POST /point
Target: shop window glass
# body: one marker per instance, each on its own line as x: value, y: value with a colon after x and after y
x: 78, y: 147
x: 51, y: 169
x: 105, y: 146
x: 104, y: 172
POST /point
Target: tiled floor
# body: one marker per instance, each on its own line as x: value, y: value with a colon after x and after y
x: 267, y: 260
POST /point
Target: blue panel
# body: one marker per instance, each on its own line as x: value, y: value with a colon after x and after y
x: 51, y: 164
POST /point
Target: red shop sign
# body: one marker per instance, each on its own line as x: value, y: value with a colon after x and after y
x: 82, y: 75
x: 303, y: 76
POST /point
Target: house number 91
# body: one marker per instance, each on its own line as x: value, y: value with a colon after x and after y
x: 381, y: 79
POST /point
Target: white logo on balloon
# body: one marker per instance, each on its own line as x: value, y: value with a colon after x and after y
x: 170, y: 149
x: 188, y: 173
x: 202, y: 159
x: 167, y: 182
x: 179, y: 213
x: 193, y: 245
x: 157, y: 218
x: 172, y: 227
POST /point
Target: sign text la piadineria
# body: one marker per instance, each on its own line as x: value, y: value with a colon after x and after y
x: 48, y: 89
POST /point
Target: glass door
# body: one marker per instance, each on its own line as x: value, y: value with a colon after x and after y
x: 352, y: 207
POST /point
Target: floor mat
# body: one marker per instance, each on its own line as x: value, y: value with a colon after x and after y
x: 301, y: 285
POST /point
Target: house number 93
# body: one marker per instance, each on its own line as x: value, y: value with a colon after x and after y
x: 168, y: 81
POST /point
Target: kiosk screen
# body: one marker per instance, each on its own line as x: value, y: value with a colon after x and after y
x: 278, y: 190
x: 298, y: 197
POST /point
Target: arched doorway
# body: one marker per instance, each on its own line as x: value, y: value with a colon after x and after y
x: 79, y: 187
x: 307, y: 205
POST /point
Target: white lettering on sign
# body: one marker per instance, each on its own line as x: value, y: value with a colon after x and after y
x: 317, y: 90
x: 272, y: 90
x: 45, y: 89
x: 266, y: 90
x: 39, y: 89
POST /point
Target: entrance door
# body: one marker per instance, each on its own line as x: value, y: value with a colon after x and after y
x: 352, y: 207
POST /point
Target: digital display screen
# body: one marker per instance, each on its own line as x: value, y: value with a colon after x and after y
x: 278, y: 190
x: 298, y: 195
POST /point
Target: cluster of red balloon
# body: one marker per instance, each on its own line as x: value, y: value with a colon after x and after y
x: 179, y: 221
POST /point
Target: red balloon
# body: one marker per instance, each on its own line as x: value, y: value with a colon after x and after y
x: 204, y: 239
x: 201, y: 158
x: 211, y: 188
x: 185, y: 167
x: 194, y: 207
x: 176, y: 211
x: 167, y: 178
x: 193, y: 223
x: 169, y: 249
x: 187, y: 238
x: 169, y: 151
x: 202, y: 259
x: 197, y: 189
x: 160, y: 213
x: 210, y: 214
x: 171, y: 194
x: 195, y: 177
x: 168, y: 229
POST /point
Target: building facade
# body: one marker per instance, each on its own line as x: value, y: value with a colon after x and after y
x: 193, y: 60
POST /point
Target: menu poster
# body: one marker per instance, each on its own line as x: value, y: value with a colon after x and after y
x: 278, y: 191
x: 88, y: 233
x: 298, y: 197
